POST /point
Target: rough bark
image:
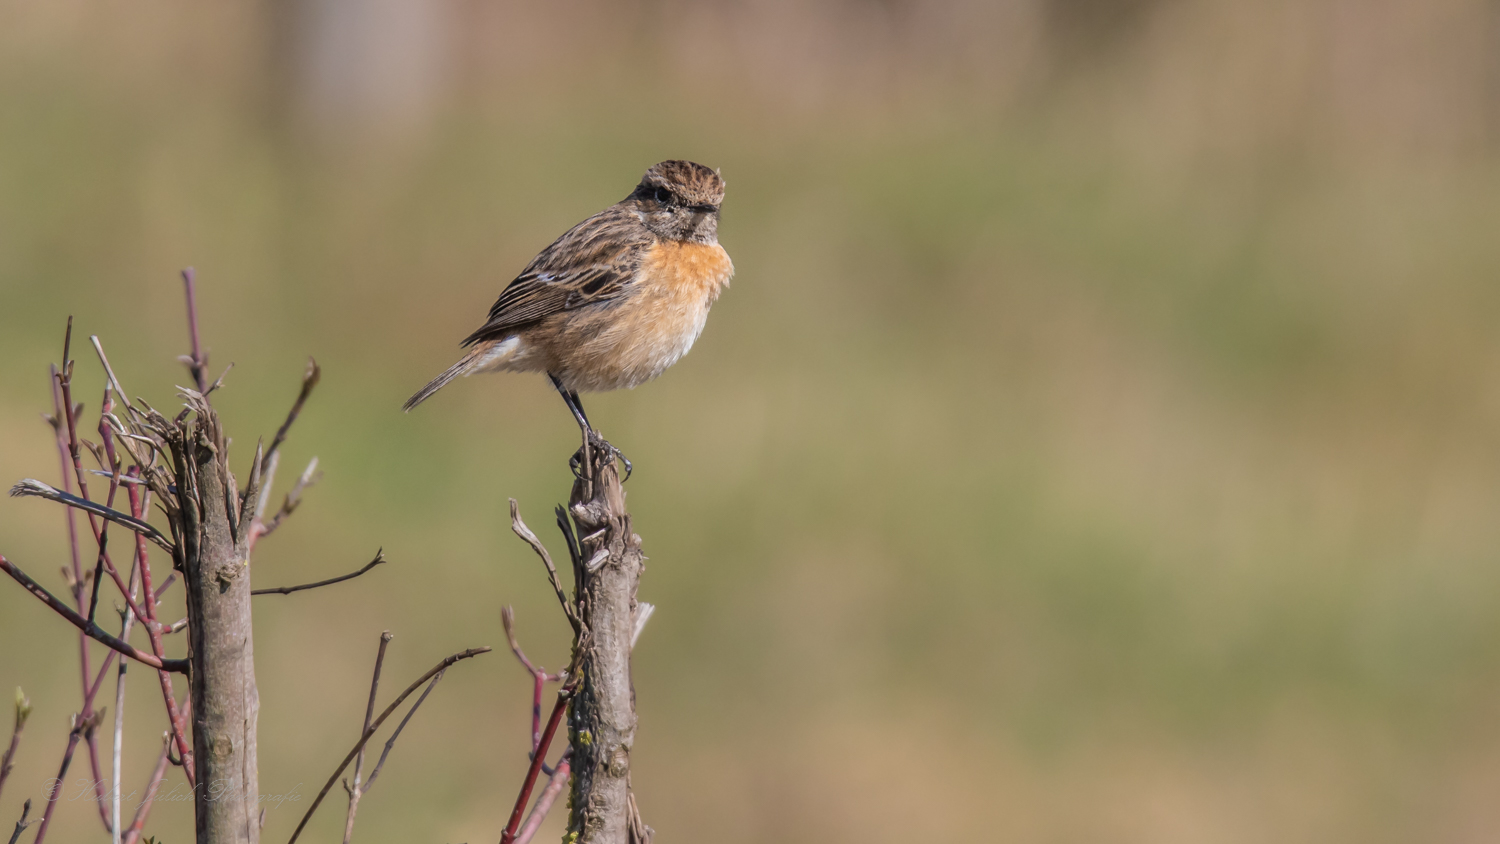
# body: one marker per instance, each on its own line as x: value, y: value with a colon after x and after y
x: 601, y: 726
x: 214, y: 557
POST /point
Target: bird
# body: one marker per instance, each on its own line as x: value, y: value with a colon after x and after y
x: 614, y: 301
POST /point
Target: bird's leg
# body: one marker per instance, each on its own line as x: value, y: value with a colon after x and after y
x: 574, y: 405
x: 590, y: 436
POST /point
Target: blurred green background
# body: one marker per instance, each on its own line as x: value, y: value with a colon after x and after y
x: 1097, y: 443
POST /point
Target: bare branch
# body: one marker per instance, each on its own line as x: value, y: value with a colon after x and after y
x: 143, y: 810
x: 359, y: 763
x: 267, y: 480
x: 447, y: 661
x: 287, y: 590
x: 33, y: 487
x: 521, y: 530
x: 544, y: 801
x: 391, y: 742
x: 310, y: 379
x: 93, y: 630
x: 563, y: 694
x: 508, y: 619
x: 22, y: 823
x: 197, y: 364
x: 23, y: 711
x: 81, y: 725
x: 176, y: 716
x: 310, y: 476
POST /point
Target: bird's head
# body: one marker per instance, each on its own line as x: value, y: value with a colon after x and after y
x: 679, y: 200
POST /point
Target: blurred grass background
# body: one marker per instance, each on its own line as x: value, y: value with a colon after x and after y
x: 1097, y: 442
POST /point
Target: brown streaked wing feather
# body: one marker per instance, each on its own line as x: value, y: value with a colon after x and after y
x: 589, y: 264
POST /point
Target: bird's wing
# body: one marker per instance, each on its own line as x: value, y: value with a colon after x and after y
x: 592, y: 263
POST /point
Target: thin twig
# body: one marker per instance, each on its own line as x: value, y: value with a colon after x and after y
x: 109, y: 370
x: 563, y: 694
x: 310, y: 476
x: 93, y: 630
x: 81, y: 725
x: 22, y: 823
x: 176, y: 716
x: 310, y: 378
x: 287, y: 590
x: 165, y: 585
x: 33, y: 487
x: 447, y: 661
x: 126, y: 620
x: 521, y: 530
x: 539, y: 676
x: 198, y: 363
x: 359, y: 763
x: 391, y: 742
x: 267, y: 481
x: 57, y: 420
x: 544, y: 801
x: 23, y: 711
x: 143, y: 810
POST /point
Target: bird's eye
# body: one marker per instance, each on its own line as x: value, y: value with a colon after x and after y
x: 662, y: 196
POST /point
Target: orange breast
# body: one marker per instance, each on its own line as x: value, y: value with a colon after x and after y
x: 691, y: 268
x: 636, y: 339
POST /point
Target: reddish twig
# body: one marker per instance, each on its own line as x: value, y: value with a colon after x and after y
x: 539, y: 676
x: 93, y: 630
x: 287, y: 590
x: 143, y: 810
x: 176, y: 716
x: 60, y: 421
x: 540, y: 741
x: 441, y: 666
x: 81, y: 725
x: 544, y: 801
x: 563, y: 694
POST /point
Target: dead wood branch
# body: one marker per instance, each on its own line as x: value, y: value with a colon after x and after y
x: 601, y: 728
x: 22, y: 823
x: 91, y: 629
x: 540, y: 753
x: 544, y: 801
x: 143, y: 810
x: 23, y: 711
x: 33, y: 487
x: 287, y: 590
x: 374, y: 726
x: 359, y: 762
x: 310, y: 379
x: 526, y: 534
x: 197, y: 362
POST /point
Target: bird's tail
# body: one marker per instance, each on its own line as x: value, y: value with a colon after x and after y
x: 469, y: 363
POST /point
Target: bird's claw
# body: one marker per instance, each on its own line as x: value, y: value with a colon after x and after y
x: 598, y: 443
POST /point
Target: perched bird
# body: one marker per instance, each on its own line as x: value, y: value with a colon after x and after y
x: 614, y: 301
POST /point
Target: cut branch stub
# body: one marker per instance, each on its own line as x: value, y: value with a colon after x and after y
x: 601, y: 726
x: 213, y: 554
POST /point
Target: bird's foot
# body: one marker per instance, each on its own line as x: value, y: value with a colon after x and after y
x: 599, y: 444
